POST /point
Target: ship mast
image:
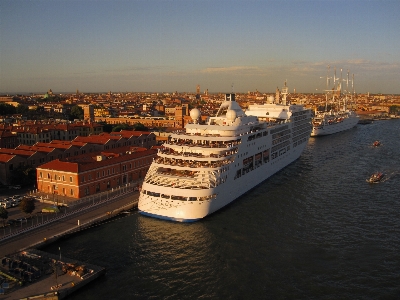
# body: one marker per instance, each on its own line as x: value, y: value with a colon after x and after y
x: 327, y: 86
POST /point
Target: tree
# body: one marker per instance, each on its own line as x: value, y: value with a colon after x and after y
x: 139, y: 127
x: 27, y: 205
x: 7, y: 109
x: 76, y: 113
x: 22, y: 109
x: 120, y: 127
x: 393, y: 109
x: 3, y: 214
x: 106, y: 127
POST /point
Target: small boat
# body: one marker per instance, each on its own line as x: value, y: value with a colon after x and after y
x: 377, y: 143
x: 376, y: 177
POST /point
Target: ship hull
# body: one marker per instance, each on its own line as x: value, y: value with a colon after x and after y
x: 328, y: 129
x: 190, y: 211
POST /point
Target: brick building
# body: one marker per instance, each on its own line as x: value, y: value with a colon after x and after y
x: 92, y: 173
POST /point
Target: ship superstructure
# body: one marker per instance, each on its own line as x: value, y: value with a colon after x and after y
x: 207, y: 166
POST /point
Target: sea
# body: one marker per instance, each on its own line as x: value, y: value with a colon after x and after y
x: 315, y: 230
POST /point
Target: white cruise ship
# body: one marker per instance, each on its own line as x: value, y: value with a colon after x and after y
x: 330, y: 122
x: 207, y: 166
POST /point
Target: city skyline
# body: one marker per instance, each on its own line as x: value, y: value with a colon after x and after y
x: 166, y: 46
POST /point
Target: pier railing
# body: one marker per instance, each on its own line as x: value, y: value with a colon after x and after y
x: 68, y: 208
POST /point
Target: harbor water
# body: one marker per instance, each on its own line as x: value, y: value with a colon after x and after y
x: 315, y: 230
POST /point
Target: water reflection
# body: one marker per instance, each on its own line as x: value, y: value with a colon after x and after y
x: 171, y: 257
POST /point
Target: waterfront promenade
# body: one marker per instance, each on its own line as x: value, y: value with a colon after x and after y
x: 85, y: 216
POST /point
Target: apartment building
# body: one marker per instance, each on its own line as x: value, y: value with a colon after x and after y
x: 7, y: 164
x: 89, y: 174
x: 8, y: 139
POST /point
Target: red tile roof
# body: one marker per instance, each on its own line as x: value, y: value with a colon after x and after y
x: 35, y: 148
x: 17, y: 152
x: 58, y: 165
x: 5, y: 157
x: 92, y: 139
x: 88, y: 162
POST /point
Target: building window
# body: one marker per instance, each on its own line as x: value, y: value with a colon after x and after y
x: 72, y: 192
x: 70, y: 179
x: 63, y: 178
x: 41, y: 175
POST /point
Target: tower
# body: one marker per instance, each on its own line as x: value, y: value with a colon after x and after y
x: 198, y: 91
x: 88, y: 112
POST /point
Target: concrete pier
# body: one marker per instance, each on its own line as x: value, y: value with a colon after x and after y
x: 56, y: 279
x: 25, y: 247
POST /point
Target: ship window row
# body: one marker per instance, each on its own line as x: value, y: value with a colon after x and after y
x: 300, y: 126
x: 301, y: 134
x: 282, y: 145
x: 250, y: 163
x: 281, y: 139
x: 187, y: 173
x: 299, y: 113
x: 300, y: 137
x: 295, y: 144
x: 203, y: 143
x: 191, y: 154
x: 203, y: 180
x: 280, y: 152
x: 301, y: 129
x: 180, y: 198
x: 276, y: 135
x: 255, y: 136
x: 276, y: 130
x: 193, y: 164
x: 302, y: 123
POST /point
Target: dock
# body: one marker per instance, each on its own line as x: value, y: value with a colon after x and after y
x: 45, y: 275
x: 20, y: 257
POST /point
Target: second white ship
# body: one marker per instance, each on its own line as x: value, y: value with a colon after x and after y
x: 330, y: 122
x: 207, y: 166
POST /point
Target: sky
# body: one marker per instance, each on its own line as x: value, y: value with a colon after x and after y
x: 222, y: 45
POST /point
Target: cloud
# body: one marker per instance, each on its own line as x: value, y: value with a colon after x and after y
x: 232, y: 69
